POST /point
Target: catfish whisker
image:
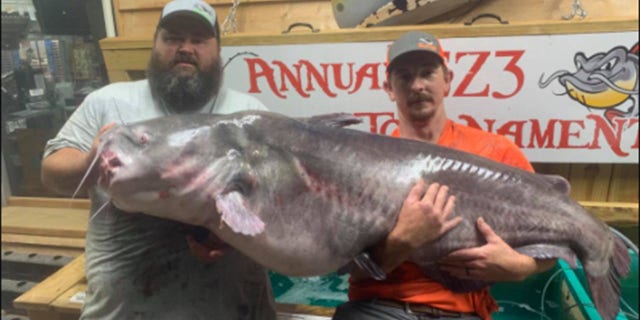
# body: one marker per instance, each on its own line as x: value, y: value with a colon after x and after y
x: 99, y: 210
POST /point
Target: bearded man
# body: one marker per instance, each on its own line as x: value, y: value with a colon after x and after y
x: 138, y: 266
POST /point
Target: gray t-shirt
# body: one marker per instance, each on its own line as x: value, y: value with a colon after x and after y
x: 139, y: 266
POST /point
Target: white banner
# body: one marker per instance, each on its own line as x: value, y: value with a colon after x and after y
x: 561, y: 98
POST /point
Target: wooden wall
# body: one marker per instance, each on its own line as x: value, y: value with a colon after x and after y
x: 139, y: 18
x: 262, y: 21
x: 597, y: 181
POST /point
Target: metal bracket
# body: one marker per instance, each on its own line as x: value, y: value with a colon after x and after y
x: 486, y: 15
x: 300, y: 24
x: 576, y: 10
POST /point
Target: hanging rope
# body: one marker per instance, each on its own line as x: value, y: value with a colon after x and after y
x: 230, y: 21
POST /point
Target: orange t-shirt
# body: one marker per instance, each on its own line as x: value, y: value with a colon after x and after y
x: 407, y: 282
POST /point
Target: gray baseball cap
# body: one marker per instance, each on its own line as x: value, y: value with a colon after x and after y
x: 414, y: 41
x: 191, y: 8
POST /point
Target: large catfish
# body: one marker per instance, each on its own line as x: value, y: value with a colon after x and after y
x: 304, y: 197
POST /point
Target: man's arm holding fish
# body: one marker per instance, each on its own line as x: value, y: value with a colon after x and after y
x: 495, y: 261
x: 423, y: 218
x: 64, y: 169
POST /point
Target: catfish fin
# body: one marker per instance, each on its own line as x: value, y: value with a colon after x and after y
x: 549, y: 251
x: 605, y: 289
x: 335, y: 120
x: 559, y: 183
x: 237, y: 215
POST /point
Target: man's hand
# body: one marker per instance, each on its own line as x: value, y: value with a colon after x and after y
x: 63, y: 170
x: 208, y: 250
x: 423, y: 218
x: 495, y: 261
x: 96, y: 142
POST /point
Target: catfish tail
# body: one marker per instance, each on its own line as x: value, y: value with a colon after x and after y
x: 605, y: 290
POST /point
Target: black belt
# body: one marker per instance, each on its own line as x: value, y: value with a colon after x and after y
x: 423, y: 309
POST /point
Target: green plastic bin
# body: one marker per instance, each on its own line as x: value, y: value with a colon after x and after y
x: 558, y: 294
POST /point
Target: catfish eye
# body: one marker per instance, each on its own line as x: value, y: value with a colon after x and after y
x: 609, y: 65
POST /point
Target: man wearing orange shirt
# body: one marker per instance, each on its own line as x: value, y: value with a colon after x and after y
x: 418, y: 80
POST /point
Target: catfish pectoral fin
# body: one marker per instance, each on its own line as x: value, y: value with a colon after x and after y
x: 237, y: 215
x: 549, y: 251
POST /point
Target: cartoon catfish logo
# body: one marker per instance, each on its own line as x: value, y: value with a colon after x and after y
x: 603, y: 81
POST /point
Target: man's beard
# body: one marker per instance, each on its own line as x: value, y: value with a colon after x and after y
x: 183, y: 93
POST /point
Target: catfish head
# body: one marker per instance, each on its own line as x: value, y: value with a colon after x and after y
x: 167, y: 167
x: 602, y: 81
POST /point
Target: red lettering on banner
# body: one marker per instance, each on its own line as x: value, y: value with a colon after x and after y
x: 513, y: 129
x: 373, y: 121
x: 477, y: 65
x: 513, y: 68
x: 337, y: 74
x: 306, y: 70
x: 369, y: 70
x: 305, y: 76
x: 613, y: 139
x: 266, y: 72
x: 294, y: 79
x: 543, y: 140
x: 634, y: 121
x: 320, y: 79
x: 566, y: 134
x: 562, y: 133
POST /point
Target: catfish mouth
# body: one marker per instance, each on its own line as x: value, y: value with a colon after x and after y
x: 595, y: 82
x: 113, y: 167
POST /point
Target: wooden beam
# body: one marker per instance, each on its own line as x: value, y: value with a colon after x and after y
x: 392, y: 33
x: 63, y: 303
x: 45, y: 221
x: 442, y: 31
x: 140, y: 5
x: 42, y: 241
x: 65, y: 203
x: 40, y: 297
x: 619, y: 213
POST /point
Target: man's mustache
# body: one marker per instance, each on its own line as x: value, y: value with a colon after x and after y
x: 419, y: 96
x: 185, y: 59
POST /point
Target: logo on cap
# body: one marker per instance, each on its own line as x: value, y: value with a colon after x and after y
x: 425, y: 43
x: 202, y: 10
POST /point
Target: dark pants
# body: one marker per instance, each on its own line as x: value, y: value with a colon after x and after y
x: 370, y: 310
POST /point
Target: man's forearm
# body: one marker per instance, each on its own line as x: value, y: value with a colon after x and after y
x: 387, y: 255
x: 63, y: 170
